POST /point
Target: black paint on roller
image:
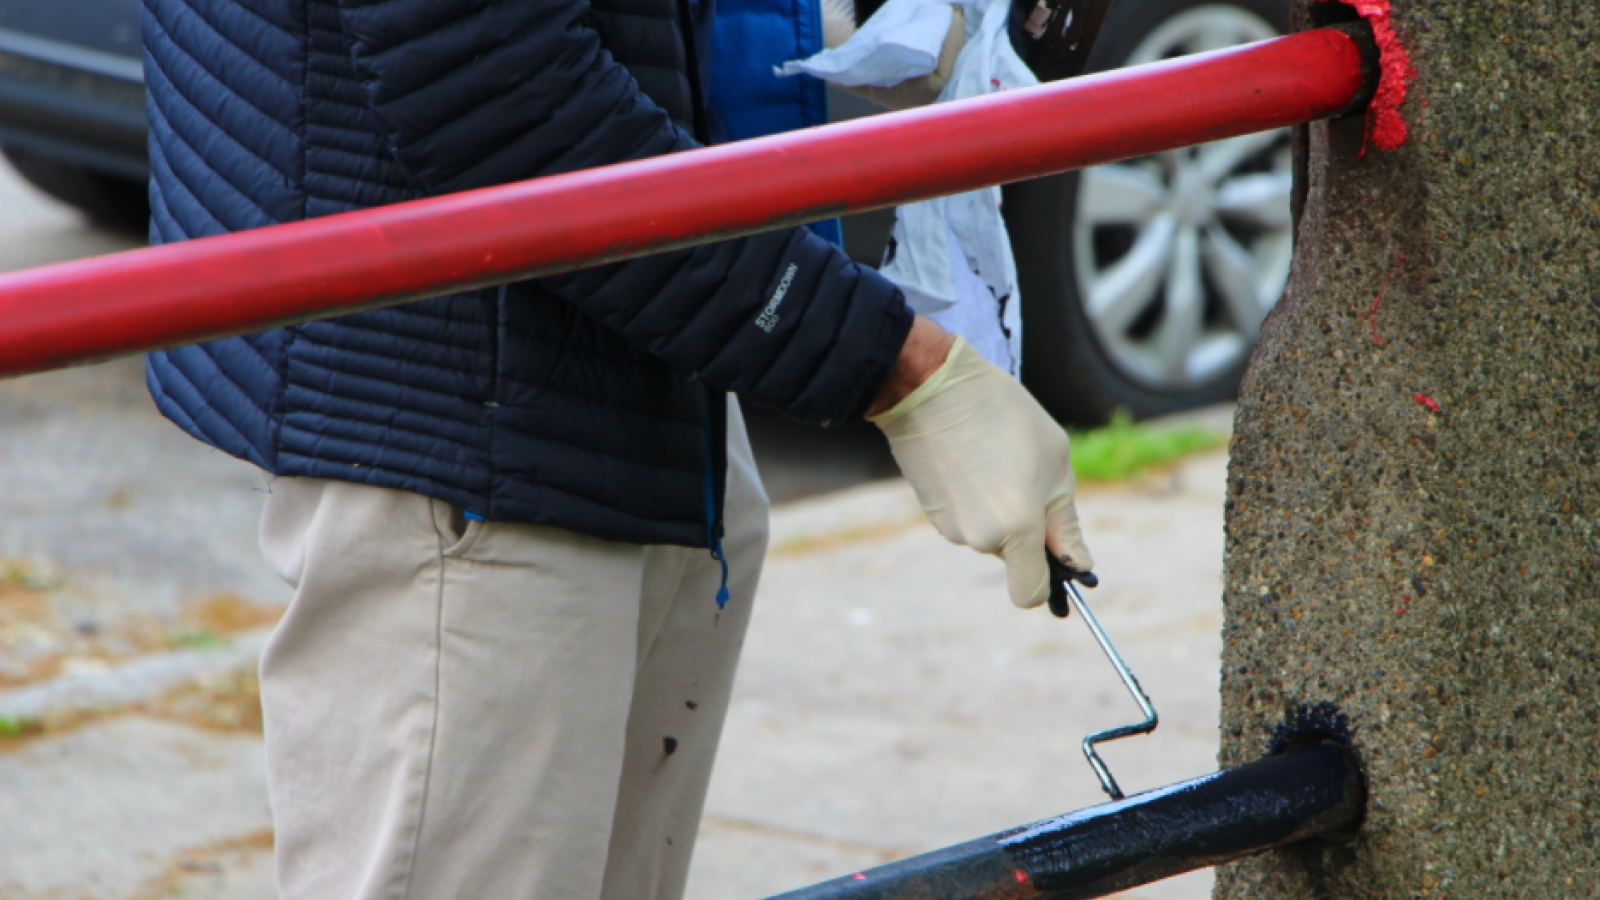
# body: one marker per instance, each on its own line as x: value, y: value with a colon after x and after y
x: 1312, y: 723
x: 1306, y: 793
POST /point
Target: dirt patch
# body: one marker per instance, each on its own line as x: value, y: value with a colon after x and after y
x: 202, y: 624
x: 38, y: 644
x: 225, y: 701
x: 228, y: 614
x: 208, y: 862
x: 30, y: 639
x: 818, y: 543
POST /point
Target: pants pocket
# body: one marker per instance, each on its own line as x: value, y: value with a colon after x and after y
x: 457, y: 533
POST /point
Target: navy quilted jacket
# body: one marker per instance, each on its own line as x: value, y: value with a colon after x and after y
x: 590, y: 401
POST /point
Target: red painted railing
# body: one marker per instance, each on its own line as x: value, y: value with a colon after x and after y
x: 141, y: 300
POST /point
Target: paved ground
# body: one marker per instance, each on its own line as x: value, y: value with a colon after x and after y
x: 891, y: 701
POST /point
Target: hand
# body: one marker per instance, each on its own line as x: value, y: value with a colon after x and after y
x: 992, y: 470
x: 839, y: 24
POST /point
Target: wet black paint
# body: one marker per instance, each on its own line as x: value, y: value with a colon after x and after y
x: 1310, y: 724
x: 1305, y: 793
x: 1191, y: 825
x: 975, y: 870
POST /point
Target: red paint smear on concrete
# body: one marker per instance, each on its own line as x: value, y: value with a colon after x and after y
x: 1372, y: 317
x: 1384, y: 126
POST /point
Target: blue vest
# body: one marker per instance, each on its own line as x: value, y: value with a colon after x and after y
x: 750, y: 38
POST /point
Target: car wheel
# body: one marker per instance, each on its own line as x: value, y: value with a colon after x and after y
x: 1144, y: 282
x: 121, y: 204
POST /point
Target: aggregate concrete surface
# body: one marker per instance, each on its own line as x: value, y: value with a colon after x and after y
x: 891, y: 700
x: 1415, y: 490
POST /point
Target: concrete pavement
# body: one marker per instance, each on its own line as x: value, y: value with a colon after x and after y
x: 891, y: 701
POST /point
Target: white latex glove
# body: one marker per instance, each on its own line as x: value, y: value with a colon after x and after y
x: 839, y: 24
x: 992, y: 470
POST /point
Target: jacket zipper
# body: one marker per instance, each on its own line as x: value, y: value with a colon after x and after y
x: 713, y: 501
x: 702, y: 129
x: 702, y: 133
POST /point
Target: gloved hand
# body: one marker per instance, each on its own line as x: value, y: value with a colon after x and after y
x: 991, y: 469
x: 839, y: 24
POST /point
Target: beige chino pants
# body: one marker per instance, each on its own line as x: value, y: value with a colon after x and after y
x: 494, y: 712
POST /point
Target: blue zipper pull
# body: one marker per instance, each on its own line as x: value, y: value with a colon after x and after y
x: 722, y: 592
x: 714, y: 541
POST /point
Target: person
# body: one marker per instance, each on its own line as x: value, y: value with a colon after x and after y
x: 522, y: 523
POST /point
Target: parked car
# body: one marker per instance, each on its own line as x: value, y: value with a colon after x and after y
x: 1143, y: 283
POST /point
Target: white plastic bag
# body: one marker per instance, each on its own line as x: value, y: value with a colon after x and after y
x: 951, y: 256
x: 901, y: 41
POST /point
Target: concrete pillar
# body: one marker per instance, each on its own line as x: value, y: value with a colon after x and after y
x: 1414, y: 492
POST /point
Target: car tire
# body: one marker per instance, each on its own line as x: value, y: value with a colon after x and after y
x: 114, y: 202
x: 1085, y: 364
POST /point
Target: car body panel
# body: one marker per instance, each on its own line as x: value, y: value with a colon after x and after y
x: 72, y: 83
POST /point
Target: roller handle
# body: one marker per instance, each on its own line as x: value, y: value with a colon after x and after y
x: 1060, y: 574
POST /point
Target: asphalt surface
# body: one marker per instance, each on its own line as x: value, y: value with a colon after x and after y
x: 891, y: 700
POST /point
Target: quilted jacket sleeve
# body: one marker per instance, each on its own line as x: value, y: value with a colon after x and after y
x: 479, y: 92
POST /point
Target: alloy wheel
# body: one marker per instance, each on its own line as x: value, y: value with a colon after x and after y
x: 1180, y: 256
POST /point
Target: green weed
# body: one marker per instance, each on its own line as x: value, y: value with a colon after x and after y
x: 1124, y: 449
x: 15, y: 728
x: 199, y: 640
x: 18, y: 574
